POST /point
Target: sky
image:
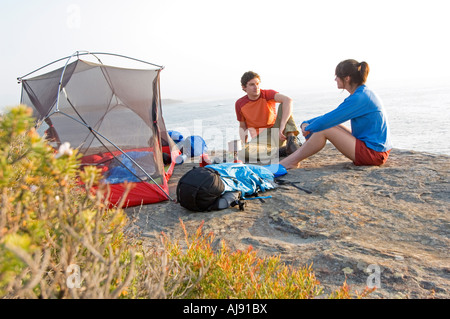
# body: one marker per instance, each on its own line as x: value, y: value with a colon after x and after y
x: 206, y: 45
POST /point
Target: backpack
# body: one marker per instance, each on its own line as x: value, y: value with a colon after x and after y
x: 220, y: 186
x: 199, y: 189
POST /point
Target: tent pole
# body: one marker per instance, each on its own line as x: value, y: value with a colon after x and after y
x: 61, y: 79
x: 119, y: 149
x: 19, y: 79
x: 78, y: 53
x: 127, y: 57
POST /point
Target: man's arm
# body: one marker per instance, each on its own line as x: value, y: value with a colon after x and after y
x: 287, y: 111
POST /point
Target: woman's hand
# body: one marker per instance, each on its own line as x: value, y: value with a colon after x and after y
x: 302, y: 127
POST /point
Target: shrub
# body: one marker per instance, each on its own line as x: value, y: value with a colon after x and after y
x: 50, y: 226
x: 59, y: 239
x: 241, y: 274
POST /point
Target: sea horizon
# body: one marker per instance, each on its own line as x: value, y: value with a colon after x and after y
x: 418, y: 115
x: 418, y: 118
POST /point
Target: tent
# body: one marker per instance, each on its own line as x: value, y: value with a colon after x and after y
x: 112, y: 115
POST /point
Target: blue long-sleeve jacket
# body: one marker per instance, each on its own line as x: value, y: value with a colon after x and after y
x: 368, y: 119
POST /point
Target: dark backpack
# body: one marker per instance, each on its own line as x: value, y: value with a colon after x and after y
x: 199, y: 189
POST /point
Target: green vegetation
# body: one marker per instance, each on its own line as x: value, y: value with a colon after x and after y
x: 241, y: 274
x: 59, y: 239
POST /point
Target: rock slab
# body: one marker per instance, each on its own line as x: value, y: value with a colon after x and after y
x: 385, y: 226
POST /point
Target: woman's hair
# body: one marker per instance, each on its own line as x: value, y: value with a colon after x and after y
x: 357, y: 71
x: 248, y: 76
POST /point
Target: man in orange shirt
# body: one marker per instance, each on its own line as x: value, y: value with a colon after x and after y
x: 268, y: 128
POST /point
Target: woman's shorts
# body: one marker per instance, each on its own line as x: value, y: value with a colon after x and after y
x: 367, y: 156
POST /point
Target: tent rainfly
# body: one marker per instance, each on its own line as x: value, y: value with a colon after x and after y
x: 113, y: 116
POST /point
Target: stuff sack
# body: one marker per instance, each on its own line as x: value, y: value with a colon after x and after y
x: 199, y: 189
x: 194, y: 145
x: 176, y: 136
x: 229, y: 199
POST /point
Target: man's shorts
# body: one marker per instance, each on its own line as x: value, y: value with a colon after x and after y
x: 367, y: 156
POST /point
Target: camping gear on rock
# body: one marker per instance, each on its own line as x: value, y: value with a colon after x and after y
x: 176, y: 136
x: 234, y: 147
x: 199, y: 188
x: 180, y: 159
x: 204, y: 160
x: 276, y: 169
x: 247, y: 178
x: 113, y: 116
x: 229, y: 199
x: 194, y: 145
x: 210, y: 187
x: 291, y: 183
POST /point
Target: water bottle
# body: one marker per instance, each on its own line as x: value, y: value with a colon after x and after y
x: 180, y: 159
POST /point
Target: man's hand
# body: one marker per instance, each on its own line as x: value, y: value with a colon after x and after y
x: 287, y: 112
x: 281, y: 135
x: 243, y: 133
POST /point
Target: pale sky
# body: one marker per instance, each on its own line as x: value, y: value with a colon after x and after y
x: 206, y: 45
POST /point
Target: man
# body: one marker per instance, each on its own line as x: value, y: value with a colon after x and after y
x: 269, y: 129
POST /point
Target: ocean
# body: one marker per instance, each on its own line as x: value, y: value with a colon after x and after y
x: 419, y: 117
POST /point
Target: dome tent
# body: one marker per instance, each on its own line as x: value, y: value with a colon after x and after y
x: 113, y: 116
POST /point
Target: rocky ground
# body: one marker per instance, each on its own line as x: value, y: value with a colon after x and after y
x: 387, y: 226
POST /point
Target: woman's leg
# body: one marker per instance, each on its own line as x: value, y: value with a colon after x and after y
x: 339, y: 136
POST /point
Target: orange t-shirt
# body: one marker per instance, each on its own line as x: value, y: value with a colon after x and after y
x: 258, y: 114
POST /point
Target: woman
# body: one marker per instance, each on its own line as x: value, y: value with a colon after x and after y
x: 368, y: 142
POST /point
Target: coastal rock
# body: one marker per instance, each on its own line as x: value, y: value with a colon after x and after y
x: 393, y: 219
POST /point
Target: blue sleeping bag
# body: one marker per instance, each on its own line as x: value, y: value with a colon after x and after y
x: 247, y: 178
x: 118, y: 173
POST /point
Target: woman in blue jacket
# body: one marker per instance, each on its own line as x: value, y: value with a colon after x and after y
x: 368, y: 141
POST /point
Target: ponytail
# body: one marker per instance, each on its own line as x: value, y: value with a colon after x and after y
x: 357, y: 71
x: 363, y: 71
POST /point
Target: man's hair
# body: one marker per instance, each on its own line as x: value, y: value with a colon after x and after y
x: 248, y: 76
